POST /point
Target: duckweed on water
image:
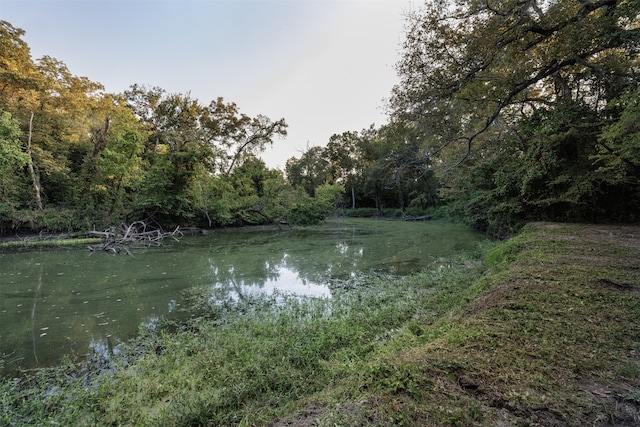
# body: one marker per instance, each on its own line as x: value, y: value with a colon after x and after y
x: 547, y: 336
x: 238, y: 362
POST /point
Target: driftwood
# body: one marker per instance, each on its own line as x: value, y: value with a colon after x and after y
x: 117, y: 239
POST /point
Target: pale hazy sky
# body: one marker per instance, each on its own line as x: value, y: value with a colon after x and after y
x: 324, y: 66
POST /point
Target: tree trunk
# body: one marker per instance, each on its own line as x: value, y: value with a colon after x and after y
x: 353, y: 196
x: 563, y: 91
x: 100, y: 141
x: 99, y: 144
x: 34, y: 177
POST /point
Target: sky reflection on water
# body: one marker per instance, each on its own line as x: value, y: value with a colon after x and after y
x: 59, y: 302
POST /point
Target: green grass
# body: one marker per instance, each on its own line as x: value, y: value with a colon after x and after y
x: 544, y: 331
x: 553, y: 341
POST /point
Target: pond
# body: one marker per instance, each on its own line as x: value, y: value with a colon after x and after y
x: 56, y: 302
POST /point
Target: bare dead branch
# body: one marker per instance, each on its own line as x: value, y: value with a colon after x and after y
x: 118, y: 239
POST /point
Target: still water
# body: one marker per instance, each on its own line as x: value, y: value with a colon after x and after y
x: 56, y: 302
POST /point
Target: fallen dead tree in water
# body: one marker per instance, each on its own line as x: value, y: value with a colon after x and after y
x: 137, y: 234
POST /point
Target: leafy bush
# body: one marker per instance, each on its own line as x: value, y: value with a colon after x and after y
x: 306, y: 214
x: 7, y: 217
x: 312, y: 211
x: 50, y: 220
x: 544, y: 173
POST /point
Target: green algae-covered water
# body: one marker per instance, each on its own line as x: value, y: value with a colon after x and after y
x: 57, y: 302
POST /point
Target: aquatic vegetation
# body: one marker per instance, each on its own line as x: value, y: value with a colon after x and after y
x: 246, y: 359
x: 546, y: 334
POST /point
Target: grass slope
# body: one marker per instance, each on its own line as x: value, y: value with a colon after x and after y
x: 553, y: 341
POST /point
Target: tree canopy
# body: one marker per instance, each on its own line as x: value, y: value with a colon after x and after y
x: 525, y: 97
x: 73, y: 156
x: 468, y: 65
x: 506, y: 111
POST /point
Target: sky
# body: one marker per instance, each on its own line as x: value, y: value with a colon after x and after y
x: 325, y: 66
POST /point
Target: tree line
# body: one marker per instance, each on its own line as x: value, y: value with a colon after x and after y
x: 506, y: 111
x: 75, y: 157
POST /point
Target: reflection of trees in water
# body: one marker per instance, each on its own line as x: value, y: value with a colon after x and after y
x: 341, y: 260
x: 230, y: 273
x: 233, y: 273
x: 36, y: 297
x: 74, y: 297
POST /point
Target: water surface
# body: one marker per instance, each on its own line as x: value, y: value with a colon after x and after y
x: 56, y: 302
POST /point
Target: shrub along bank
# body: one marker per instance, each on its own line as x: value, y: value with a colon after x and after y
x: 542, y: 329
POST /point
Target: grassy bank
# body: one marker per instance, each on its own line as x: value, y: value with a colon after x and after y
x: 554, y: 340
x: 544, y: 331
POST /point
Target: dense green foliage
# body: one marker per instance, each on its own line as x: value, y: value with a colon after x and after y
x: 533, y: 101
x: 377, y: 168
x: 552, y: 168
x: 74, y: 157
x: 505, y: 112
